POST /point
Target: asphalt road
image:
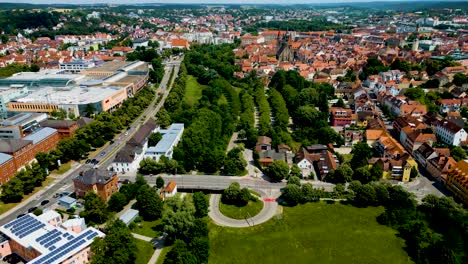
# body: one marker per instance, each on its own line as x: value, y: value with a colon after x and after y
x: 104, y: 156
x: 267, y: 212
x: 213, y: 182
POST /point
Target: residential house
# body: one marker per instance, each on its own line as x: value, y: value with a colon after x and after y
x: 396, y: 168
x: 457, y: 181
x: 263, y: 144
x: 170, y: 190
x: 316, y: 161
x: 104, y: 183
x: 439, y: 167
x: 129, y: 157
x: 341, y: 117
x: 450, y: 133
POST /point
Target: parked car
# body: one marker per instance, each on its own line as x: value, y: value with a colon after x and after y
x: 45, y: 202
x: 57, y: 195
x: 20, y: 215
x: 30, y: 210
x: 88, y: 161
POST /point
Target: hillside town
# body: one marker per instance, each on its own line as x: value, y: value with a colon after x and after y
x: 147, y: 127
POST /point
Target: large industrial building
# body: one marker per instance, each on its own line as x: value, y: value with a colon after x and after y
x: 103, y: 88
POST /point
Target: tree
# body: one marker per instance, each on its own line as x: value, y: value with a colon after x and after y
x: 95, y: 209
x: 159, y: 182
x: 376, y: 172
x: 12, y: 192
x: 342, y: 174
x: 201, y: 204
x: 458, y: 153
x: 459, y: 79
x: 278, y: 170
x: 90, y: 110
x: 37, y: 211
x: 118, y: 246
x: 362, y: 174
x: 149, y: 203
x: 295, y: 171
x: 340, y: 103
x: 292, y: 194
x: 294, y: 180
x: 414, y: 173
x: 154, y: 138
x: 180, y: 254
x: 415, y: 93
x: 361, y: 154
x: 117, y: 202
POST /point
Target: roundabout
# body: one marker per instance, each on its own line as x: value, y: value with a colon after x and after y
x: 267, y: 211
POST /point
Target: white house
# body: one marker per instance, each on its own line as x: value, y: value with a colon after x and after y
x: 165, y: 147
x: 129, y: 157
x: 450, y: 133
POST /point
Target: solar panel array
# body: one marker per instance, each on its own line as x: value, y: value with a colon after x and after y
x: 24, y: 226
x: 56, y: 254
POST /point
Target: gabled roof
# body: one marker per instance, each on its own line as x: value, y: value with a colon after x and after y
x: 13, y: 145
x: 94, y: 176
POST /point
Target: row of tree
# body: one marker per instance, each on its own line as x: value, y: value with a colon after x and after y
x: 13, y: 68
x: 23, y: 183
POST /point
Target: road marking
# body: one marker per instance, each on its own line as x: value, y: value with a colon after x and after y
x: 269, y: 199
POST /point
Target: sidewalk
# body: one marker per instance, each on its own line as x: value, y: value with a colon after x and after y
x: 158, y: 244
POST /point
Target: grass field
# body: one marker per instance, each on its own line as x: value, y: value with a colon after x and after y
x: 236, y: 212
x: 64, y: 168
x: 145, y: 251
x: 193, y: 90
x: 311, y: 233
x: 149, y: 229
x: 6, y: 207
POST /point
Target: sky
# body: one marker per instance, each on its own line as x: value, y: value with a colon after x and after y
x: 192, y: 1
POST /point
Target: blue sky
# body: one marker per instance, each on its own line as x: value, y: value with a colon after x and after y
x: 192, y: 1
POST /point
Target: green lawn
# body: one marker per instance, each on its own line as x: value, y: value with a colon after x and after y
x: 62, y: 169
x: 193, y: 90
x: 149, y: 229
x: 145, y: 251
x: 311, y: 233
x: 236, y: 212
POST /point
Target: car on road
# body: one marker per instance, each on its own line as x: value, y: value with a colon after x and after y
x: 126, y: 133
x: 102, y: 153
x: 88, y: 161
x: 30, y: 210
x: 45, y: 202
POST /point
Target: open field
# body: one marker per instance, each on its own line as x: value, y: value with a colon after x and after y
x: 145, y: 251
x: 311, y: 233
x: 193, y: 90
x: 149, y: 229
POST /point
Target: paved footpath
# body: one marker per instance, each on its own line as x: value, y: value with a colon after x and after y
x: 158, y: 244
x: 268, y: 211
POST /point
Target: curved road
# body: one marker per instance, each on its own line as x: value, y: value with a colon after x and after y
x: 268, y: 211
